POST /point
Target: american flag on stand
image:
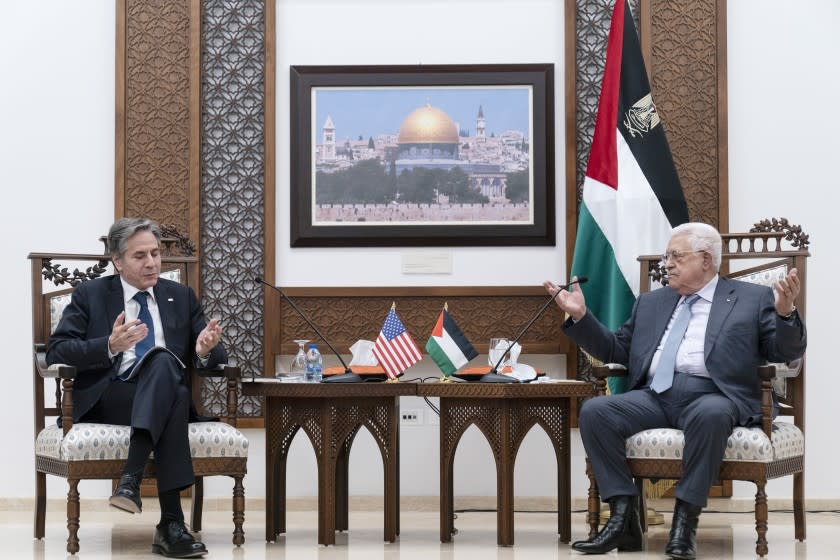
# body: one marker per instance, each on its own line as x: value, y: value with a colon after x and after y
x: 394, y: 348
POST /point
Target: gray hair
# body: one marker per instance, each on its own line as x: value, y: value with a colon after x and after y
x: 126, y: 227
x: 702, y: 237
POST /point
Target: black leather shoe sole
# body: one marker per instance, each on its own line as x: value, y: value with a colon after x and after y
x: 157, y: 549
x: 125, y: 504
x: 682, y: 555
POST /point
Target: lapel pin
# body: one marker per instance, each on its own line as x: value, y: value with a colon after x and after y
x: 727, y: 300
x: 173, y: 299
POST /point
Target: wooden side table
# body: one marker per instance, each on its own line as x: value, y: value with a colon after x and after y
x: 331, y: 415
x: 505, y: 413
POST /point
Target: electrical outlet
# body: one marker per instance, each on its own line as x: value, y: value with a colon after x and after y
x: 434, y: 419
x: 413, y: 417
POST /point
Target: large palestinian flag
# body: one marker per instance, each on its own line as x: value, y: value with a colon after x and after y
x: 632, y: 195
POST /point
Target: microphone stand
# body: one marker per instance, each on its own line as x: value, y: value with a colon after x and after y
x: 348, y: 376
x: 494, y: 372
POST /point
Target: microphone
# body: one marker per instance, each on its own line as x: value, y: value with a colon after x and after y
x: 493, y: 375
x: 348, y: 376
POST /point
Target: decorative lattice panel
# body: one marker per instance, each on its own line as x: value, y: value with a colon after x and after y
x: 232, y: 182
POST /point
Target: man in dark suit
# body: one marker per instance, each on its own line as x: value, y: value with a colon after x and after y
x: 702, y: 380
x: 115, y: 330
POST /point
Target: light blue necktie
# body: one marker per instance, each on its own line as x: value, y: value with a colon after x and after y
x: 663, y: 378
x: 146, y: 344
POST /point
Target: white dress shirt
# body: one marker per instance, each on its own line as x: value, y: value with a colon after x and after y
x: 132, y: 310
x: 690, y: 354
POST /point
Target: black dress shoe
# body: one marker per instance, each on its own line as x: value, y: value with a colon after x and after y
x: 174, y: 541
x: 682, y: 542
x: 127, y: 495
x: 623, y: 530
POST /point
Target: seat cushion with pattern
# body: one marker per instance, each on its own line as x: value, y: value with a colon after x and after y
x: 95, y: 442
x: 745, y: 444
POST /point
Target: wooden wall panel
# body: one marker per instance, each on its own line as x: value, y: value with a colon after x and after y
x: 685, y: 48
x: 345, y: 315
x: 156, y: 167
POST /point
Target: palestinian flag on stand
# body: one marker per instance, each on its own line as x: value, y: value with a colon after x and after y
x: 632, y: 195
x: 448, y: 346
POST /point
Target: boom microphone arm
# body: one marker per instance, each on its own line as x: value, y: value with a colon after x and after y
x: 308, y: 322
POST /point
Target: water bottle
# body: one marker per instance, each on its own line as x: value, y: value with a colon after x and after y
x: 314, y: 365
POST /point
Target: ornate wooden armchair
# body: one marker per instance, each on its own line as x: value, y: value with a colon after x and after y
x: 84, y: 451
x: 755, y: 454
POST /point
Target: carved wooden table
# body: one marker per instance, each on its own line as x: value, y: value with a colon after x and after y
x: 331, y: 415
x: 505, y: 413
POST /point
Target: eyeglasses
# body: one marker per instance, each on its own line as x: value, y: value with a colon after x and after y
x: 677, y: 256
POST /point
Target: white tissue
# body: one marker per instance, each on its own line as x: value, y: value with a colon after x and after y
x: 362, y: 352
x: 513, y: 355
x: 523, y: 372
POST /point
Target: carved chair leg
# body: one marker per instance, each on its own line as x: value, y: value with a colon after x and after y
x: 238, y: 511
x: 799, y: 506
x: 40, y: 504
x: 73, y: 516
x: 197, y: 503
x: 643, y: 513
x: 761, y: 518
x: 593, y: 502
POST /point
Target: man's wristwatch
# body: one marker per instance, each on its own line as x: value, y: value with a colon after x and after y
x: 789, y: 316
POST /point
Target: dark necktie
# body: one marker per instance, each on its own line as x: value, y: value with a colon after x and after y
x: 664, y: 375
x: 146, y: 344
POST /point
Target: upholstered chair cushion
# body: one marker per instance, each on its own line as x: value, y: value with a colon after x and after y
x: 95, y: 442
x: 745, y: 444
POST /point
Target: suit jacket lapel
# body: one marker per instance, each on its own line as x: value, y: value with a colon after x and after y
x: 722, y: 304
x: 114, y: 305
x: 114, y: 301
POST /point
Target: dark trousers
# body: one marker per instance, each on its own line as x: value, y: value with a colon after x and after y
x: 158, y: 400
x: 693, y: 404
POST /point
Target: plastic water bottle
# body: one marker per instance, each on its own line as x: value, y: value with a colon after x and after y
x: 314, y: 365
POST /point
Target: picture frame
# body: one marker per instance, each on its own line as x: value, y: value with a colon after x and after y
x: 427, y: 155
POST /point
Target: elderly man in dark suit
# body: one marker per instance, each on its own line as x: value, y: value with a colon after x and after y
x: 692, y: 350
x: 130, y: 335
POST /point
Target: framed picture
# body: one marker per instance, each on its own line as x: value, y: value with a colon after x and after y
x: 422, y: 155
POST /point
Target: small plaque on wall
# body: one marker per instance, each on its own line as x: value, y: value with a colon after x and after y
x: 427, y: 262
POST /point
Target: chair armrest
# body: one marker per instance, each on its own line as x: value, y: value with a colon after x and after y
x: 60, y: 371
x: 789, y: 369
x: 222, y: 370
x: 609, y: 370
x: 601, y: 372
x: 767, y: 373
x: 63, y: 397
x: 231, y: 374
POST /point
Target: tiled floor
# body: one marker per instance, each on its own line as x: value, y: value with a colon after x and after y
x: 113, y: 535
